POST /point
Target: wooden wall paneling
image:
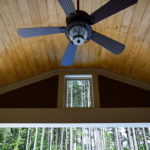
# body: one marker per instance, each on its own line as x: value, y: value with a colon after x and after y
x: 142, y: 37
x: 140, y: 34
x: 4, y: 74
x: 17, y: 18
x: 16, y: 47
x: 7, y: 53
x: 49, y: 51
x: 131, y: 52
x: 52, y: 12
x: 40, y: 40
x: 141, y: 68
x: 33, y: 47
x: 124, y: 29
x: 42, y: 7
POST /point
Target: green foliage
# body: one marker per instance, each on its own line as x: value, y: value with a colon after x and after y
x: 16, y: 138
x: 80, y: 92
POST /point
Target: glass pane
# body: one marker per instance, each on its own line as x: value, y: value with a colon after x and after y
x: 78, y: 93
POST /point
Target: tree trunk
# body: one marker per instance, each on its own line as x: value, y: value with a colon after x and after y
x: 108, y: 139
x: 18, y: 139
x: 42, y: 138
x: 149, y: 131
x: 67, y: 96
x: 27, y: 138
x: 5, y: 138
x: 62, y: 134
x: 56, y: 139
x: 102, y: 138
x: 95, y: 139
x: 71, y: 138
x: 89, y: 138
x: 101, y: 141
x: 145, y: 139
x: 134, y: 138
x: 71, y: 104
x: 51, y: 139
x: 84, y: 100
x: 82, y: 95
x: 117, y: 139
x: 89, y: 102
x: 48, y: 138
x: 35, y: 139
x: 66, y: 142
x: 130, y: 142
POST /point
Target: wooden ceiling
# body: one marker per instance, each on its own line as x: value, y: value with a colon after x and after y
x: 23, y: 58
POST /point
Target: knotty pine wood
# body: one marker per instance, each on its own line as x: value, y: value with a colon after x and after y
x: 23, y: 58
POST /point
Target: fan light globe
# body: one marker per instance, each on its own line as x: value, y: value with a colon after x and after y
x: 79, y: 40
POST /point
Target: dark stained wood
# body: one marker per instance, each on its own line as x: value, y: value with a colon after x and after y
x: 115, y: 94
x: 42, y: 94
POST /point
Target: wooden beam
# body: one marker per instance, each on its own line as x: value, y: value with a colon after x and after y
x: 76, y: 115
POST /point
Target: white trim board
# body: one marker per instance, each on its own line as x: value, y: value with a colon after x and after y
x: 74, y: 125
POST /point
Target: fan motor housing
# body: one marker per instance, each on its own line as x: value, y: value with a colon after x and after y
x: 78, y: 29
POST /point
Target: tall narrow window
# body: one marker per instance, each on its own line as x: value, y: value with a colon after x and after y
x: 78, y: 91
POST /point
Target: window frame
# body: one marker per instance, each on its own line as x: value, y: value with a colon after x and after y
x: 78, y: 77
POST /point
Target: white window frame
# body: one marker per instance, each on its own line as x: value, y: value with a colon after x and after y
x: 78, y: 77
x: 94, y: 85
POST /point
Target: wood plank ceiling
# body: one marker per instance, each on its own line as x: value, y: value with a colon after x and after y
x: 23, y: 58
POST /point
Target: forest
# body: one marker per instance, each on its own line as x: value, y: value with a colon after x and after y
x: 75, y: 138
x: 78, y: 93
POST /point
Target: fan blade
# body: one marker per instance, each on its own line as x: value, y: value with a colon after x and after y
x: 69, y: 55
x: 112, y: 45
x: 30, y: 32
x: 110, y: 8
x: 67, y: 6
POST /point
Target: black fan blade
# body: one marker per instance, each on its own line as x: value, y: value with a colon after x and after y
x: 112, y: 45
x: 67, y: 6
x: 30, y: 32
x: 110, y: 8
x: 69, y: 55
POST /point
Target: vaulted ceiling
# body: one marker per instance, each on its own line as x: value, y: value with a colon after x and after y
x: 23, y: 58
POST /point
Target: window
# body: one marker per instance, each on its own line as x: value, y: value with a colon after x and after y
x: 78, y: 91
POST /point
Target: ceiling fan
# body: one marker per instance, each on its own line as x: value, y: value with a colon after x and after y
x: 78, y: 29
